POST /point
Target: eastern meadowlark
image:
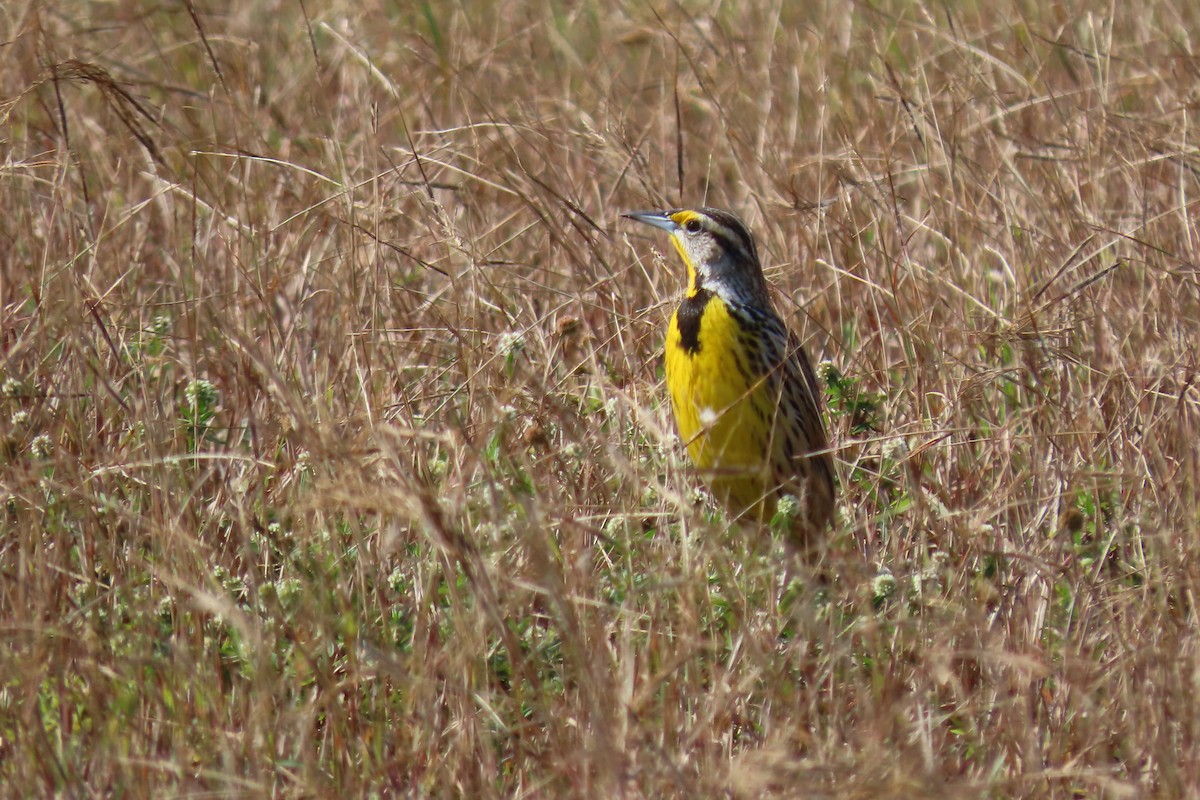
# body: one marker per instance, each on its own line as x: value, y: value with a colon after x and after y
x: 742, y: 388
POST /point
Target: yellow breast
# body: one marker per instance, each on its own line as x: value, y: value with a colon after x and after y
x: 723, y: 405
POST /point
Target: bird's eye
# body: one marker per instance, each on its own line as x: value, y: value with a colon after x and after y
x: 692, y: 226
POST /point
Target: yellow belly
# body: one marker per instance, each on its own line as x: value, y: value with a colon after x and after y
x: 725, y: 413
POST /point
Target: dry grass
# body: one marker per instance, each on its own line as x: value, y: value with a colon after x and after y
x: 334, y: 454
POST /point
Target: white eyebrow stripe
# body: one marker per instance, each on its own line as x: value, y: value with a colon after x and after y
x: 730, y: 235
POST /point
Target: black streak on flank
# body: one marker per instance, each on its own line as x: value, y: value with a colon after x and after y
x: 687, y: 316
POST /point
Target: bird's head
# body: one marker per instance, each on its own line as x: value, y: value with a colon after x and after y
x: 716, y: 248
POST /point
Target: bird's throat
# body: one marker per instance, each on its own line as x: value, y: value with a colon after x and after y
x: 694, y: 286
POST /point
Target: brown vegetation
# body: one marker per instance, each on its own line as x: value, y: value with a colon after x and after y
x: 335, y: 459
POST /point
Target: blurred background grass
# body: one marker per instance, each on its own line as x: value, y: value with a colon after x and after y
x: 335, y: 456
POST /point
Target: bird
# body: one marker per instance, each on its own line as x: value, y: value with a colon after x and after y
x: 743, y: 392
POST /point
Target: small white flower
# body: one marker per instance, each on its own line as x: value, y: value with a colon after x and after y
x: 200, y: 393
x: 508, y: 412
x: 302, y: 466
x: 894, y: 449
x: 928, y: 580
x: 288, y: 589
x: 510, y: 343
x: 20, y: 418
x: 161, y: 324
x: 788, y: 506
x: 396, y: 580
x: 883, y: 585
x: 10, y: 388
x: 41, y: 446
x: 668, y: 445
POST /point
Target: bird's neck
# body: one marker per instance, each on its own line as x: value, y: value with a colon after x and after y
x: 694, y: 284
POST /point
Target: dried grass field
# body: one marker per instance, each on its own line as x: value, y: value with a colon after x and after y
x: 335, y: 456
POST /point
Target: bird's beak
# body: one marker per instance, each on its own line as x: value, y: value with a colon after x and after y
x: 658, y: 219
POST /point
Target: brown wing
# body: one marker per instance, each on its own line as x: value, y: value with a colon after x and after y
x: 808, y: 452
